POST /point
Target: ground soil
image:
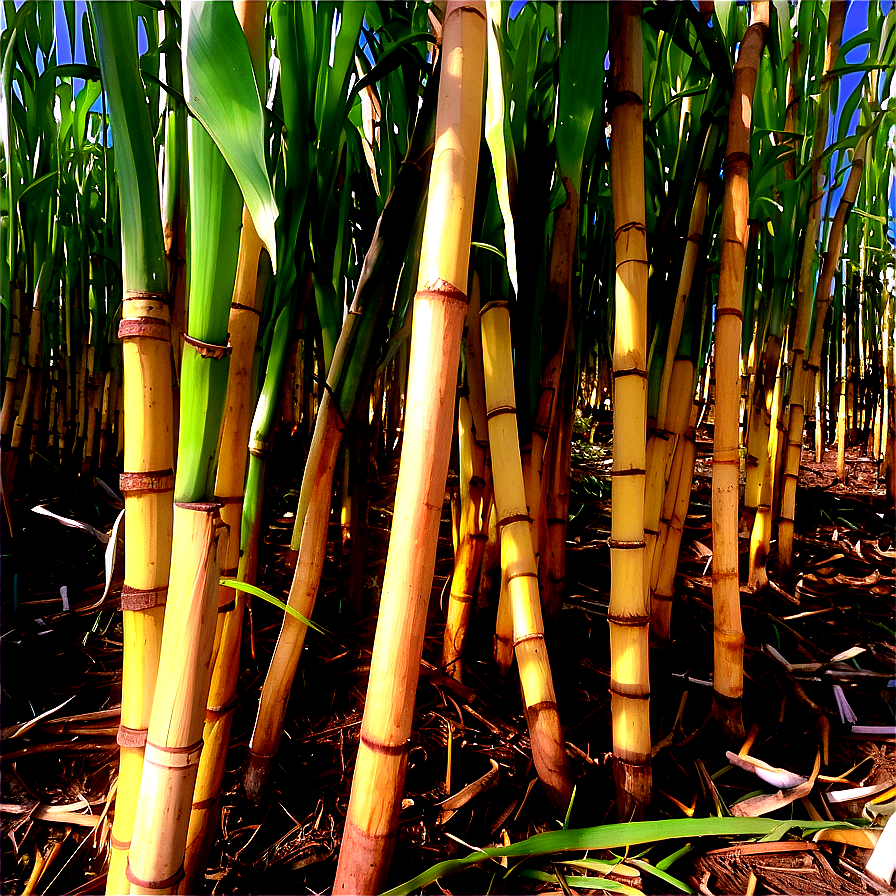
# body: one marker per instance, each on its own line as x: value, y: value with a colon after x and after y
x: 61, y: 672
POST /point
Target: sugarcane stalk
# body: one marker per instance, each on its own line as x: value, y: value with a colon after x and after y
x: 799, y: 384
x: 629, y: 610
x: 174, y: 739
x: 439, y: 311
x: 339, y: 405
x: 552, y: 572
x: 7, y: 415
x: 841, y: 398
x: 728, y: 636
x: 148, y: 480
x: 671, y: 529
x: 475, y: 494
x: 245, y: 307
x: 518, y: 558
x: 243, y: 330
x: 804, y: 371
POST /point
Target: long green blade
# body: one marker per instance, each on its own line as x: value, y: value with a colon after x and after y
x: 613, y: 836
x: 220, y: 88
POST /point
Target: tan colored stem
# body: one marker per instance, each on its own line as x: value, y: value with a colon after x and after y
x: 174, y: 740
x: 804, y: 371
x: 728, y: 634
x: 629, y: 611
x: 439, y: 311
x: 148, y: 487
x: 243, y: 328
x: 518, y: 559
x: 799, y: 384
x: 475, y: 495
x: 318, y: 484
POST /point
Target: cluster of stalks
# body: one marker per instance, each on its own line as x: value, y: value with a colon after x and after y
x: 664, y: 245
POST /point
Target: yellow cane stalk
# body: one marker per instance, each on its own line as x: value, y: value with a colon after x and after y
x: 804, y: 371
x: 439, y: 309
x: 679, y: 407
x: 475, y: 495
x: 799, y: 385
x: 174, y: 742
x: 148, y: 486
x: 841, y: 405
x: 888, y: 471
x: 728, y: 636
x: 663, y: 440
x: 243, y: 327
x: 629, y: 611
x: 671, y: 529
x: 766, y: 438
x: 147, y: 482
x: 518, y: 558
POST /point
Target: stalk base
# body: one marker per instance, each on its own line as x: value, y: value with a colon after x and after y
x: 728, y: 712
x: 634, y: 784
x: 257, y: 778
x: 549, y: 754
x: 363, y: 861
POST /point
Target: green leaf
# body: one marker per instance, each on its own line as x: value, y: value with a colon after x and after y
x: 664, y: 876
x: 255, y: 591
x: 392, y: 59
x: 585, y: 883
x: 220, y: 89
x: 497, y: 135
x: 612, y: 836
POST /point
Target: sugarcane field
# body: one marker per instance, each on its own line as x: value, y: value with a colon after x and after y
x: 448, y: 447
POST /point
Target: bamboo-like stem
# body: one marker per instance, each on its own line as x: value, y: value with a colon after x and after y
x: 888, y: 470
x: 841, y: 402
x: 680, y: 411
x: 7, y: 415
x: 245, y: 307
x: 243, y: 327
x: 339, y: 405
x: 629, y: 611
x: 767, y: 411
x: 552, y: 572
x: 728, y: 636
x: 804, y: 372
x: 439, y: 311
x: 672, y: 528
x: 557, y: 324
x: 317, y: 486
x: 32, y: 379
x: 663, y: 440
x: 799, y: 385
x: 518, y: 558
x: 147, y: 481
x: 174, y: 738
x: 475, y: 489
x: 174, y: 741
x: 503, y: 652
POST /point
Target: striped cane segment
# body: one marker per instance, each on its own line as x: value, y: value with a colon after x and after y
x: 728, y: 630
x: 440, y: 307
x: 518, y: 558
x: 629, y: 610
x: 174, y: 740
